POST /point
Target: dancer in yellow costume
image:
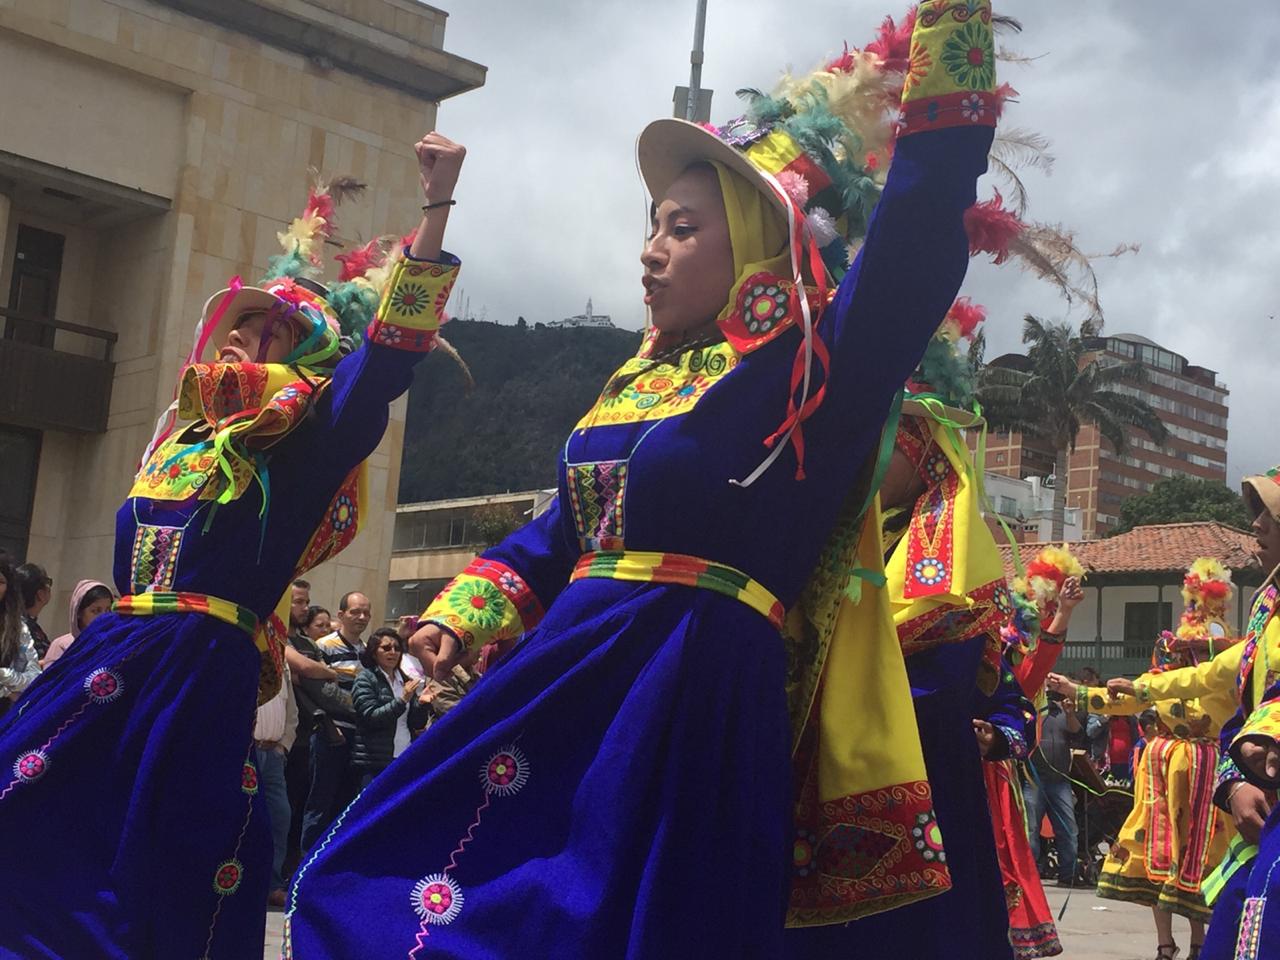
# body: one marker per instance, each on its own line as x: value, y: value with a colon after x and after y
x: 1174, y: 837
x: 1242, y: 673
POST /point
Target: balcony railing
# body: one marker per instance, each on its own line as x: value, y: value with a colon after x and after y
x: 48, y: 389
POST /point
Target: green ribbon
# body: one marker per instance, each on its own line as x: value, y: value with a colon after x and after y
x: 853, y: 587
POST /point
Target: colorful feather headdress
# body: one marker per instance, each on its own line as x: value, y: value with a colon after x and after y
x: 328, y: 321
x: 1206, y: 590
x: 1035, y: 595
x: 331, y: 320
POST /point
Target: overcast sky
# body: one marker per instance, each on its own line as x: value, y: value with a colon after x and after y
x: 1164, y: 120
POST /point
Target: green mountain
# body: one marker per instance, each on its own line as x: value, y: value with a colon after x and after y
x: 532, y: 386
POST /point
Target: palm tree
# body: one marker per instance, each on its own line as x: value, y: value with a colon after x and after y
x: 1058, y: 393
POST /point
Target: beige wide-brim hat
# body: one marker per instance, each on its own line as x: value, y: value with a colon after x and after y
x: 242, y: 301
x: 667, y: 148
x: 1263, y: 491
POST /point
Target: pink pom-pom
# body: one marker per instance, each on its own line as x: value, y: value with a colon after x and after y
x: 796, y: 187
x: 991, y: 228
x: 967, y: 316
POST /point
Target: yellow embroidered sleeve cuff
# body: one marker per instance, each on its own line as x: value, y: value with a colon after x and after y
x: 951, y: 71
x: 1099, y: 700
x: 485, y: 603
x: 412, y: 307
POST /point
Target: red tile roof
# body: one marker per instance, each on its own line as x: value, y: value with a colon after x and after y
x: 1160, y: 548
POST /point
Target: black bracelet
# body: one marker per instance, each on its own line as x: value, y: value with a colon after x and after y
x: 438, y: 203
x: 1048, y: 636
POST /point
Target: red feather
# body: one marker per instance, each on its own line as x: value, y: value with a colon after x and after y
x: 992, y: 228
x: 842, y: 63
x: 361, y: 260
x: 408, y: 238
x: 967, y: 316
x: 1046, y: 571
x: 1215, y: 589
x: 1003, y: 93
x: 893, y: 42
x: 320, y: 204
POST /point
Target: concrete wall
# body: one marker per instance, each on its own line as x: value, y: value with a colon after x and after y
x: 131, y: 94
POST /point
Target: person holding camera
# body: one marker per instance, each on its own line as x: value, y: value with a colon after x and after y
x: 1049, y: 789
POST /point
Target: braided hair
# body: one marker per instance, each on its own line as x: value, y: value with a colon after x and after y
x: 670, y: 356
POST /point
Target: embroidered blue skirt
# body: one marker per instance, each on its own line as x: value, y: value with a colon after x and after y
x: 618, y: 787
x: 131, y: 821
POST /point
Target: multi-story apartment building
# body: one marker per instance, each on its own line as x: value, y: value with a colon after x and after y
x: 1189, y: 399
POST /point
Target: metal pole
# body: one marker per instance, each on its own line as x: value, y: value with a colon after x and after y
x: 1098, y: 635
x: 695, y: 62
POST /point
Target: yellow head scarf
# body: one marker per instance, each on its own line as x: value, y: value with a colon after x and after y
x: 757, y: 232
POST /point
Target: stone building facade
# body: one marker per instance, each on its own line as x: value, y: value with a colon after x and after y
x: 149, y: 151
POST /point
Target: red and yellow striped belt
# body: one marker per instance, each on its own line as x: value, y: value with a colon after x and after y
x: 153, y: 604
x: 679, y: 568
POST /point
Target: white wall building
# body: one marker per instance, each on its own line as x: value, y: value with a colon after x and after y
x: 1026, y: 506
x: 1132, y: 590
x: 589, y: 318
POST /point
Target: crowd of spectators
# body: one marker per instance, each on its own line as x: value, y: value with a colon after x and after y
x: 350, y: 705
x: 353, y: 704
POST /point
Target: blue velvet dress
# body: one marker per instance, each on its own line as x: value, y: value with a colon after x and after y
x: 129, y: 804
x: 619, y: 786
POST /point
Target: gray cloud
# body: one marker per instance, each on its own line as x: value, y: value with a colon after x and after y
x: 1165, y: 122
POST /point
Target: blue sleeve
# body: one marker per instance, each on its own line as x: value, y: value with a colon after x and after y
x: 1228, y: 773
x: 505, y: 591
x: 909, y: 270
x: 1011, y: 714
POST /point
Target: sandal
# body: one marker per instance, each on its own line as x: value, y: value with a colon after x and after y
x: 1166, y: 951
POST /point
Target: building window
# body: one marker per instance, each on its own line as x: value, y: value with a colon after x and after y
x: 430, y: 530
x: 1142, y: 625
x: 33, y: 289
x: 410, y: 597
x: 1008, y: 507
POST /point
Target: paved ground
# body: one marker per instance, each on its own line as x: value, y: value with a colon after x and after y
x: 1091, y: 929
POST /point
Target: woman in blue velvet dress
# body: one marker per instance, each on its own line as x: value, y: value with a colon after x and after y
x: 137, y: 744
x: 619, y: 786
